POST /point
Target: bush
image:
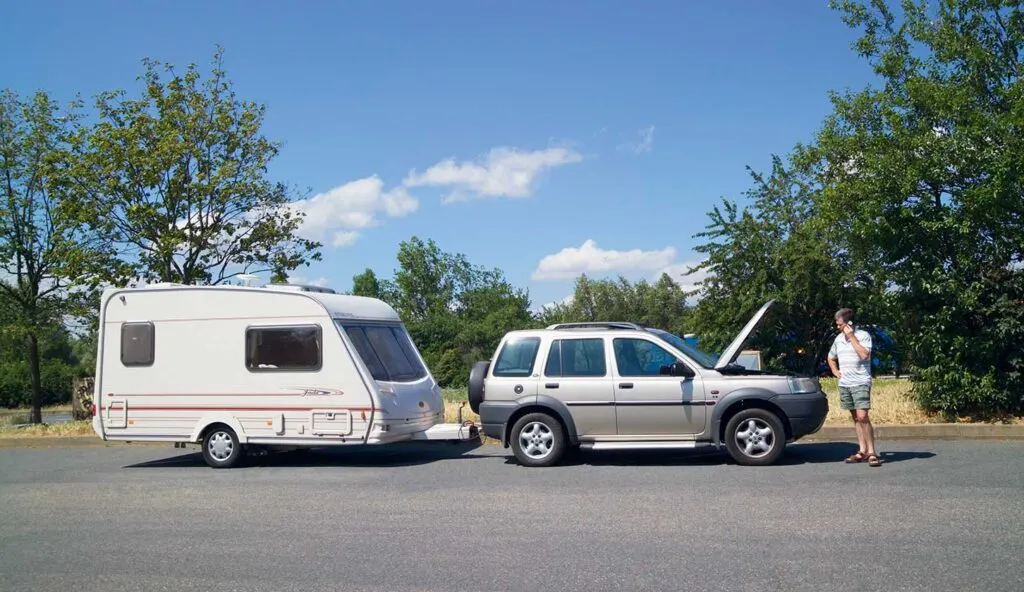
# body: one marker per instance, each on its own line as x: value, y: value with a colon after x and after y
x: 56, y: 378
x: 953, y: 391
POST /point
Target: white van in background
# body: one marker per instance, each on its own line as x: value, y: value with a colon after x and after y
x: 281, y: 365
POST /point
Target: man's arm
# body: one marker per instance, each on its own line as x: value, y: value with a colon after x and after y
x: 832, y: 365
x: 833, y: 355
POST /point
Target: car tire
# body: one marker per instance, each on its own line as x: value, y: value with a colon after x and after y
x: 749, y: 431
x: 221, y: 448
x: 537, y: 440
x: 475, y: 393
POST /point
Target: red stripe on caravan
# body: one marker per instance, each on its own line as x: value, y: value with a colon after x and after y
x: 216, y: 394
x: 237, y: 408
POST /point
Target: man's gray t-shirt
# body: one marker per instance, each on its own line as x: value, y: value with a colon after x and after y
x: 854, y: 371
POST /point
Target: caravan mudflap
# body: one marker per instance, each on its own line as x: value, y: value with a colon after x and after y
x: 449, y: 431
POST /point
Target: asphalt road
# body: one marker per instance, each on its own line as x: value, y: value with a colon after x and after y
x: 938, y: 516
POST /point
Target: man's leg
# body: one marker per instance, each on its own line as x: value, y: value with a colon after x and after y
x: 862, y: 404
x: 862, y: 445
x: 846, y: 402
x: 865, y: 432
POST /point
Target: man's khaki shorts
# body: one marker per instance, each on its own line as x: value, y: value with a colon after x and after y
x: 855, y: 397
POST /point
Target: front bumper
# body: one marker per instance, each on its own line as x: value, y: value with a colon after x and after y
x: 806, y: 412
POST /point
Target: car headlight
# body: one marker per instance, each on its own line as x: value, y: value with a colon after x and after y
x: 800, y: 384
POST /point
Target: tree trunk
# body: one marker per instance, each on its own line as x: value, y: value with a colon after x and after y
x: 33, y: 369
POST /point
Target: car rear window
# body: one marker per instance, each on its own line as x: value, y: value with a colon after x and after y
x: 517, y: 357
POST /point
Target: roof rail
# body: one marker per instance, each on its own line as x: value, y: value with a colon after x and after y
x: 596, y: 325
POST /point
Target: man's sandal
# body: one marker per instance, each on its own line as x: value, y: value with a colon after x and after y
x: 874, y: 461
x: 856, y: 458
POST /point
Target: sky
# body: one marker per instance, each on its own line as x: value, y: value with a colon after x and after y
x: 494, y: 129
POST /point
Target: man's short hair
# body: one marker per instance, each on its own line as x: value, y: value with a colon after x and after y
x: 844, y: 313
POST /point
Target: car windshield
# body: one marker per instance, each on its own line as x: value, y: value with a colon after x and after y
x: 704, y: 359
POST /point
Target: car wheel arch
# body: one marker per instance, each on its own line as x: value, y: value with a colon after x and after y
x: 740, y: 401
x: 542, y: 404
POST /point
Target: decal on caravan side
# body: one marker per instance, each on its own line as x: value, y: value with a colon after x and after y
x: 277, y: 366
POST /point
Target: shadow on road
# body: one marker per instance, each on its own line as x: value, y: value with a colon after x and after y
x: 796, y: 454
x: 392, y: 455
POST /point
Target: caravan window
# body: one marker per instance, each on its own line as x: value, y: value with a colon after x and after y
x: 387, y: 351
x: 137, y: 344
x: 283, y: 348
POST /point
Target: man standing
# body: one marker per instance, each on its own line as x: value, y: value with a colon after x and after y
x: 852, y: 350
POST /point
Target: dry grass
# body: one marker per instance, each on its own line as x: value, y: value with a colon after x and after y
x: 60, y: 430
x: 892, y: 402
x: 21, y: 414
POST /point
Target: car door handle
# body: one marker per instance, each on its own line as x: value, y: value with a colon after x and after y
x: 551, y: 385
x: 625, y: 385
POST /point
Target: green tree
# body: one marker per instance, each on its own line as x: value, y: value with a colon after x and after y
x: 924, y: 180
x: 366, y: 284
x: 661, y: 304
x: 48, y: 259
x: 778, y: 248
x: 177, y: 179
x: 456, y: 312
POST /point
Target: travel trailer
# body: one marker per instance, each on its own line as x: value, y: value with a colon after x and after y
x: 275, y: 366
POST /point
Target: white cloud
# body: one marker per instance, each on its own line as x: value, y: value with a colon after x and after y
x: 354, y: 205
x: 505, y: 172
x: 570, y: 262
x: 344, y: 238
x: 644, y: 144
x: 305, y: 281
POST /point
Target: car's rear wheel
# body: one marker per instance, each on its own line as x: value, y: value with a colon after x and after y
x: 537, y: 440
x: 755, y: 437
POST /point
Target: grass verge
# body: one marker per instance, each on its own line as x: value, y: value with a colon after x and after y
x: 22, y: 414
x: 61, y: 430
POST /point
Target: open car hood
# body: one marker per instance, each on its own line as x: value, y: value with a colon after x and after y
x: 733, y: 351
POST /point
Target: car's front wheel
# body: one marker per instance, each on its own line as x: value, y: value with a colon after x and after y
x: 537, y: 440
x: 755, y: 437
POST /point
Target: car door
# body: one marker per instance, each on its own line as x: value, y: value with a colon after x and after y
x: 649, y: 403
x: 576, y: 373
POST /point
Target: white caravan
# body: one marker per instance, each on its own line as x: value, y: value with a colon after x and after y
x: 287, y: 366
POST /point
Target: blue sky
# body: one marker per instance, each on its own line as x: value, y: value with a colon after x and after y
x: 494, y: 128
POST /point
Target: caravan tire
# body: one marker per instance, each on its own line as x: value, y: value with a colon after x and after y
x: 537, y: 440
x: 477, y: 374
x: 221, y: 448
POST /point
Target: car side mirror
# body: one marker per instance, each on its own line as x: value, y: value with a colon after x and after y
x: 677, y: 369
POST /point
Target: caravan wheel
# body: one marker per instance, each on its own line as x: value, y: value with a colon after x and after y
x: 221, y: 448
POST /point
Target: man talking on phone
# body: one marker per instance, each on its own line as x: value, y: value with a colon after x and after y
x: 852, y: 350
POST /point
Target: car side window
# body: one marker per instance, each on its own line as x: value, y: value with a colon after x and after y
x: 517, y: 357
x: 639, y: 357
x: 576, y: 357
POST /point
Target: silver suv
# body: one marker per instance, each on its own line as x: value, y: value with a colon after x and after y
x: 620, y: 386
